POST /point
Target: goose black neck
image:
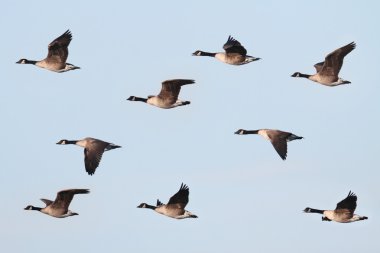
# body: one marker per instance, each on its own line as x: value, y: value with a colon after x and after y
x: 36, y: 208
x: 150, y: 207
x: 303, y: 75
x: 207, y: 54
x: 138, y: 99
x: 141, y: 99
x: 30, y: 62
x: 251, y: 131
x: 311, y: 210
x: 71, y: 142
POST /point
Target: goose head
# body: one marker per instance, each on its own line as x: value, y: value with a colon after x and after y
x: 296, y: 74
x: 22, y: 61
x: 240, y: 131
x: 62, y: 142
x: 29, y: 207
x: 198, y: 53
x: 142, y: 205
x: 131, y: 98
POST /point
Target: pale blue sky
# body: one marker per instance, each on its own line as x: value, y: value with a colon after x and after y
x: 246, y: 197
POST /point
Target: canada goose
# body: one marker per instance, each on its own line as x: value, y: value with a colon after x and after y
x: 59, y: 208
x: 57, y: 55
x: 168, y: 96
x: 175, y: 208
x: 344, y: 211
x: 278, y: 138
x: 93, y: 151
x: 327, y: 71
x: 235, y: 53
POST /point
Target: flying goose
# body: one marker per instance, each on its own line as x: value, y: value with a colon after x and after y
x: 168, y: 96
x: 235, y: 53
x: 344, y: 211
x: 327, y: 71
x: 278, y: 138
x: 57, y: 55
x: 175, y: 208
x: 93, y: 151
x: 59, y: 208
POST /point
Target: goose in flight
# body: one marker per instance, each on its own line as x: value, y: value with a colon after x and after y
x: 57, y: 55
x: 168, y: 96
x: 235, y: 53
x: 175, y: 208
x: 278, y: 138
x: 344, y: 211
x: 93, y: 151
x: 328, y: 71
x: 59, y: 208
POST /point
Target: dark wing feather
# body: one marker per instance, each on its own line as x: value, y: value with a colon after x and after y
x: 334, y: 61
x: 93, y: 155
x: 58, y: 51
x: 348, y: 203
x: 159, y: 203
x: 318, y: 66
x: 234, y: 46
x: 171, y: 88
x: 181, y: 198
x: 64, y: 198
x: 279, y: 142
x: 47, y: 201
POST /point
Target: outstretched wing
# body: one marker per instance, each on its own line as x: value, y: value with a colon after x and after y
x: 58, y: 51
x: 171, y: 88
x: 234, y: 46
x: 334, y: 61
x: 318, y: 66
x: 47, y: 201
x: 92, y: 156
x: 64, y: 198
x: 278, y: 140
x: 348, y: 203
x: 181, y: 198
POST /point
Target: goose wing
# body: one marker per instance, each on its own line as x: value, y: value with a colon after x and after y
x: 171, y: 88
x: 58, y: 51
x: 318, y: 66
x: 63, y: 199
x: 234, y: 46
x: 181, y: 198
x: 47, y: 201
x: 334, y: 61
x: 348, y: 203
x: 93, y: 154
x: 278, y: 140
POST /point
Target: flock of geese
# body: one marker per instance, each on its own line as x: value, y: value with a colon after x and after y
x: 327, y: 73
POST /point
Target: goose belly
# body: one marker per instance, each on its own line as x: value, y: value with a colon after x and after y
x: 156, y: 101
x: 170, y: 212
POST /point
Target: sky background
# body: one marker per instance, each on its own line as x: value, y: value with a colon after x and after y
x: 246, y: 197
